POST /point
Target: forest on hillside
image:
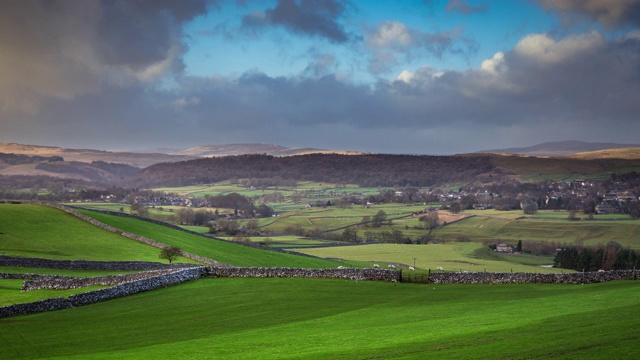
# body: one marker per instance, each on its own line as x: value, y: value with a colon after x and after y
x: 363, y: 170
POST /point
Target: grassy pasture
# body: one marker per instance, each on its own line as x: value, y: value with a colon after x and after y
x: 625, y: 232
x: 335, y: 319
x: 334, y: 217
x: 65, y: 272
x: 451, y: 257
x: 45, y: 232
x: 285, y: 241
x: 10, y: 292
x: 224, y: 252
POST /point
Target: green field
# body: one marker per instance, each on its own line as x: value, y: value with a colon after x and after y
x: 308, y: 318
x: 10, y: 293
x: 225, y: 252
x: 335, y: 319
x: 45, y: 232
x: 470, y: 257
x: 588, y: 232
x: 304, y: 192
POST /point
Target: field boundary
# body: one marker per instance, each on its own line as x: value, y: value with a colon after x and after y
x: 145, y: 281
x: 129, y: 235
x: 590, y: 277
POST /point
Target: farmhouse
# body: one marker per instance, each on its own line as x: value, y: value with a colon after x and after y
x: 504, y: 248
x: 605, y: 208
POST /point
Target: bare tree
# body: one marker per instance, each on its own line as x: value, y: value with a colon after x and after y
x: 170, y: 253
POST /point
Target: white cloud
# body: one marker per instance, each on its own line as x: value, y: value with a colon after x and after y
x: 391, y: 34
x: 494, y: 65
x: 544, y: 49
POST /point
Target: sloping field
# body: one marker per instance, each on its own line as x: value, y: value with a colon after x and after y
x: 225, y: 252
x: 334, y: 319
x: 44, y: 232
x: 625, y: 232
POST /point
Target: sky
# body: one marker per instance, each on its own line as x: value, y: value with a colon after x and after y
x: 397, y: 76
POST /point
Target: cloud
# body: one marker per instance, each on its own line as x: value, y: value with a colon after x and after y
x: 308, y: 17
x: 63, y: 49
x: 96, y: 95
x: 392, y: 42
x: 463, y: 7
x: 611, y: 13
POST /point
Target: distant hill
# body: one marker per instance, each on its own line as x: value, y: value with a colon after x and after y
x: 139, y: 160
x: 268, y: 149
x: 561, y: 148
x: 622, y: 153
x: 93, y: 165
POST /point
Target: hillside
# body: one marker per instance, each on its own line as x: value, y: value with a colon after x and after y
x: 379, y: 170
x: 16, y: 166
x: 135, y: 159
x: 268, y: 149
x: 364, y: 170
x: 622, y: 153
x: 560, y: 148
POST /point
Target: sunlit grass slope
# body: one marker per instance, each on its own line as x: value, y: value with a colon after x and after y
x: 225, y: 252
x: 591, y: 233
x: 336, y: 319
x: 450, y: 256
x: 45, y: 232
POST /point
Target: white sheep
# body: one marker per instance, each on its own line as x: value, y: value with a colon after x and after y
x: 391, y: 266
x: 412, y: 268
x: 440, y: 268
x: 376, y: 266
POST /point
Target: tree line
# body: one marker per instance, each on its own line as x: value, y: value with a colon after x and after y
x: 610, y: 257
x: 364, y: 170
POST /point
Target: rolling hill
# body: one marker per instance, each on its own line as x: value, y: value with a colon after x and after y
x: 561, y: 148
x: 268, y: 149
x: 135, y: 159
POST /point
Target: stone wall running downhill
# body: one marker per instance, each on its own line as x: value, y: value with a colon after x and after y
x: 138, y: 286
x: 67, y: 282
x: 126, y: 289
x: 35, y: 307
x: 129, y: 235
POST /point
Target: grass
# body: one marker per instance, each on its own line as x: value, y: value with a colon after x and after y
x: 336, y: 319
x: 10, y: 292
x: 45, y: 232
x: 225, y: 252
x: 285, y: 241
x: 65, y: 272
x: 451, y: 257
x: 591, y: 233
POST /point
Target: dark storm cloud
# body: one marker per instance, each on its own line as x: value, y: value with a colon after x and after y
x: 63, y: 49
x: 138, y: 33
x: 611, y: 13
x: 309, y: 17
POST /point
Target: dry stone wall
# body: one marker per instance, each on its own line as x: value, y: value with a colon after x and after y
x: 348, y: 273
x: 129, y: 288
x: 129, y: 235
x: 35, y: 307
x: 87, y: 265
x: 522, y: 278
x: 68, y: 282
x: 138, y: 286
